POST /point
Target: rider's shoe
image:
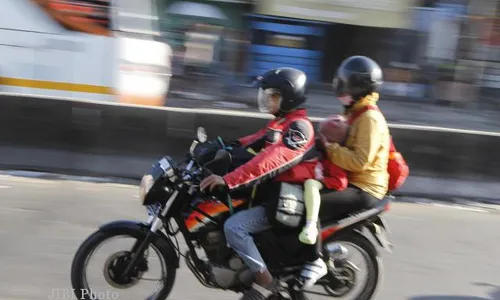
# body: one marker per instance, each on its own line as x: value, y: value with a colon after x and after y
x: 312, y: 272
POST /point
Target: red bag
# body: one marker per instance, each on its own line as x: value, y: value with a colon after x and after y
x: 397, y: 167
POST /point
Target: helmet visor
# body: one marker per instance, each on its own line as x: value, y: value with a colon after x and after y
x: 339, y: 87
x: 266, y: 102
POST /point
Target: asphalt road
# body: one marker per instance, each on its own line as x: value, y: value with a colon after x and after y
x: 441, y: 252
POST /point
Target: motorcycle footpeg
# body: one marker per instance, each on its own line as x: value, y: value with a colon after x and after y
x: 342, y: 262
x: 297, y: 284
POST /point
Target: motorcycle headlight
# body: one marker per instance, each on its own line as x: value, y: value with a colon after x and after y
x: 147, y: 183
x: 152, y: 188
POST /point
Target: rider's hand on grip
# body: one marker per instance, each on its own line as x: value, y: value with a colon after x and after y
x: 213, y: 185
x: 221, y: 193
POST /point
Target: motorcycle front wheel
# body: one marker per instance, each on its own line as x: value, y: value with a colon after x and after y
x: 117, y: 262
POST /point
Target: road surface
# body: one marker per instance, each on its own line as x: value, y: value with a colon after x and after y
x: 441, y: 252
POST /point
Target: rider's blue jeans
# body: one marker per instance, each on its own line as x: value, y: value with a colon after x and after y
x: 238, y: 229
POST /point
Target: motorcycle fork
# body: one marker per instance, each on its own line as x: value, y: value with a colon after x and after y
x: 140, y: 246
x: 155, y: 223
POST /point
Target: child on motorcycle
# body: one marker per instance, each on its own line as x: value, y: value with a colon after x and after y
x: 326, y: 174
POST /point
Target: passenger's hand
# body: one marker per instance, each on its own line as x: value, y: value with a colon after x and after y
x: 324, y: 141
x: 212, y: 182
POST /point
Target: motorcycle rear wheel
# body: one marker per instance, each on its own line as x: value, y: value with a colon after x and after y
x: 375, y: 265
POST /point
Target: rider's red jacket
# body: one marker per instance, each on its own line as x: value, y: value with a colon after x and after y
x: 286, y: 152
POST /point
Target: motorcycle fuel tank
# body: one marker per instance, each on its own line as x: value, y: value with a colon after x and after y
x: 207, y: 212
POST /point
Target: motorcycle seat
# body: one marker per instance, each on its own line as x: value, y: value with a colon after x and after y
x: 381, y: 206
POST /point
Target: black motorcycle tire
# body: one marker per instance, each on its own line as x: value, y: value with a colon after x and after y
x: 97, y: 238
x: 376, y: 266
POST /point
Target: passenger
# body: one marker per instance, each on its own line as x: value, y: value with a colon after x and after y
x: 365, y: 154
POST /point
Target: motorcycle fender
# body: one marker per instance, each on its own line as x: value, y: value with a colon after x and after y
x: 381, y: 221
x: 378, y: 230
x: 139, y: 230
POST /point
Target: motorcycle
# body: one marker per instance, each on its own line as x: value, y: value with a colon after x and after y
x: 170, y: 192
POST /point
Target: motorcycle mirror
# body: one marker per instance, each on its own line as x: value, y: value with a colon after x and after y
x: 201, y: 134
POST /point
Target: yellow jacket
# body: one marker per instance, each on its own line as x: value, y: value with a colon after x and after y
x: 366, y: 152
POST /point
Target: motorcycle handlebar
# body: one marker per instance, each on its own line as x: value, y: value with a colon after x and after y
x: 220, y: 192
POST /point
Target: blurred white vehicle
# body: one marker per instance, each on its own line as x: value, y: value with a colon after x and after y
x: 95, y: 50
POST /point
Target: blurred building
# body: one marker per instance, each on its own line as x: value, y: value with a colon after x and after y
x: 429, y: 49
x: 434, y: 49
x: 209, y: 42
x: 319, y: 34
x: 459, y: 50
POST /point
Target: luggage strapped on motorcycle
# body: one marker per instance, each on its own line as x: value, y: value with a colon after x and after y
x: 397, y: 167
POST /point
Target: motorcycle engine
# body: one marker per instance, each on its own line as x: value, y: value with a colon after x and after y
x: 214, y: 244
x: 226, y: 268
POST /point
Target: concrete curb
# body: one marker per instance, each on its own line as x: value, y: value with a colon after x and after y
x: 129, y: 169
x: 109, y: 140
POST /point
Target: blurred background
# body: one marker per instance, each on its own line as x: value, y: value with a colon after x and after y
x: 144, y: 74
x: 433, y: 52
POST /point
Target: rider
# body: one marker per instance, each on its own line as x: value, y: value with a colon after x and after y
x: 285, y: 149
x: 365, y: 154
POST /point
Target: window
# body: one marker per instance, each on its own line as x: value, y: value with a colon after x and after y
x: 289, y: 41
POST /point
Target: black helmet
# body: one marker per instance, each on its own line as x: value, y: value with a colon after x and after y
x: 357, y: 76
x: 290, y: 83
